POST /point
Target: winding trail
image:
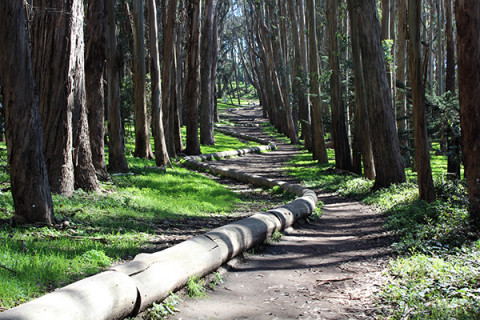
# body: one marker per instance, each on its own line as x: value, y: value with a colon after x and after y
x: 326, y: 269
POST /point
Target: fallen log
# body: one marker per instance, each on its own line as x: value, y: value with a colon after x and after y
x: 156, y: 275
x: 107, y: 295
x: 231, y: 153
x: 133, y: 286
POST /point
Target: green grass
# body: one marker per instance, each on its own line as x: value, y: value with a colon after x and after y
x: 223, y: 142
x: 434, y: 286
x: 217, y: 279
x: 437, y: 272
x: 223, y: 106
x: 438, y: 163
x: 196, y: 288
x: 273, y: 132
x: 164, y: 309
x: 227, y: 103
x: 104, y: 227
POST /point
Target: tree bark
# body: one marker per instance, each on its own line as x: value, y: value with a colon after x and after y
x: 450, y: 75
x: 94, y: 69
x: 386, y: 35
x: 208, y: 77
x: 193, y: 76
x: 453, y: 142
x: 143, y: 149
x: 58, y: 62
x: 276, y: 62
x: 84, y: 170
x: 125, y: 24
x: 386, y: 150
x: 422, y: 156
x: 468, y: 52
x: 343, y: 158
x: 304, y: 109
x: 117, y: 161
x: 299, y: 74
x: 362, y: 127
x: 169, y: 92
x: 439, y: 59
x: 161, y: 154
x: 401, y: 101
x: 179, y: 81
x: 28, y: 172
x: 318, y: 141
x: 51, y: 53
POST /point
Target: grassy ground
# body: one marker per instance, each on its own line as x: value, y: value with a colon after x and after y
x: 106, y: 227
x: 436, y: 274
x: 222, y: 143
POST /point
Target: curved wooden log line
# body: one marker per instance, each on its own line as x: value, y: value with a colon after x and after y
x: 131, y: 287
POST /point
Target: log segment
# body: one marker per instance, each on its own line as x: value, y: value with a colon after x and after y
x: 133, y: 286
x: 107, y: 295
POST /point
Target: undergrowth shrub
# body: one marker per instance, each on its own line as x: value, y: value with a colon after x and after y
x: 436, y: 274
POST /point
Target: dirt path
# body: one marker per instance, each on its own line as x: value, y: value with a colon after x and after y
x: 327, y: 269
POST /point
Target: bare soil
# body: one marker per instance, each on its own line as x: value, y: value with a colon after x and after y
x: 329, y: 268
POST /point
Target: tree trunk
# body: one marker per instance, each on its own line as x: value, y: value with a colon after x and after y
x: 275, y: 50
x: 453, y: 143
x: 304, y: 110
x: 125, y: 24
x: 401, y: 101
x: 386, y: 35
x: 422, y: 156
x: 468, y: 52
x: 234, y: 64
x: 318, y: 140
x: 168, y: 73
x: 280, y: 57
x: 179, y: 83
x: 117, y: 161
x: 94, y: 68
x: 343, y: 159
x: 50, y: 62
x: 386, y: 149
x: 439, y: 59
x: 161, y: 154
x: 450, y: 76
x: 299, y: 74
x: 143, y: 148
x: 216, y: 117
x: 28, y: 172
x: 362, y: 127
x: 84, y: 170
x: 385, y: 19
x: 208, y: 77
x: 58, y: 61
x: 193, y: 76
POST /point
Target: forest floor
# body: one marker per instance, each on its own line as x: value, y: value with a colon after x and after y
x: 328, y: 268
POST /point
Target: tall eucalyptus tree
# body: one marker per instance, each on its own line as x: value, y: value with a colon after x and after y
x: 386, y: 149
x: 143, y: 149
x: 468, y: 51
x: 28, y: 171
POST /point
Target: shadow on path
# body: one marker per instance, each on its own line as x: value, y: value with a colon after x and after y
x: 325, y: 269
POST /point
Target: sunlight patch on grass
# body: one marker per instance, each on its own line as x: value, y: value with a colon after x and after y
x: 223, y: 142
